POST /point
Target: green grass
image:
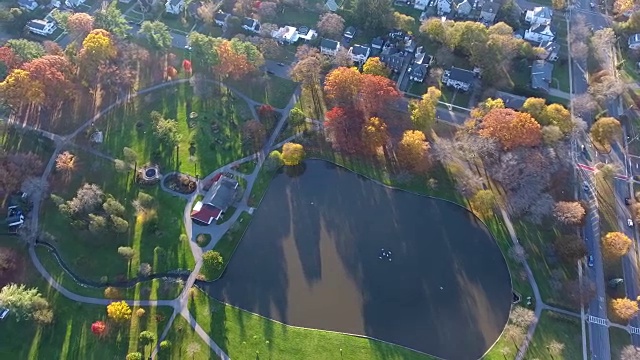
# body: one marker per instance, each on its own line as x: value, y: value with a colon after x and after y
x: 267, y: 89
x: 260, y: 186
x: 200, y: 149
x: 182, y: 336
x: 561, y: 76
x: 553, y: 327
x: 95, y: 255
x: 227, y: 215
x: 178, y: 22
x: 14, y: 140
x: 243, y: 335
x: 247, y: 167
x: 455, y: 97
x: 297, y: 17
x: 618, y: 339
x: 227, y: 245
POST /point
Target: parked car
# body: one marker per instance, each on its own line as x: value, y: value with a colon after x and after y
x: 585, y: 186
x: 630, y: 222
x: 3, y: 313
x: 627, y: 201
x: 590, y: 261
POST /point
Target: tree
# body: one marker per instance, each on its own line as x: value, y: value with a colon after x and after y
x: 111, y: 19
x: 237, y: 58
x: 620, y: 6
x: 412, y: 150
x: 120, y: 225
x: 330, y: 25
x: 376, y: 94
x: 267, y: 10
x: 559, y: 4
x: 97, y: 48
x: 145, y: 269
x: 97, y: 223
x: 535, y: 107
x: 134, y: 356
x: 99, y: 328
x: 403, y: 22
x: 130, y: 156
x: 579, y: 51
x: 206, y: 12
x: 423, y: 112
x: 140, y: 312
x: 275, y: 160
x: 522, y: 317
x: 551, y: 134
x: 25, y: 50
x: 113, y: 207
x: 509, y: 13
x: 119, y: 311
x: 255, y: 133
x: 292, y: 154
x: 601, y: 43
x: 212, y: 260
x: 21, y: 301
x: 111, y: 292
x: 126, y: 252
x: 511, y: 128
x: 157, y: 34
x: 373, y: 15
x: 166, y: 131
x: 615, y: 244
x: 605, y: 130
x: 569, y: 213
x: 52, y: 72
x: 87, y: 199
x: 584, y: 103
x: 624, y: 308
x: 345, y: 127
x: 79, y: 24
x: 204, y: 49
x: 558, y: 115
x: 555, y: 348
x: 165, y: 345
x: 374, y: 134
x: 580, y: 292
x: 484, y: 201
x: 342, y: 58
x: 373, y: 66
x: 630, y: 352
x: 342, y: 85
x: 296, y: 117
x: 192, y: 349
x: 147, y: 338
x: 7, y: 260
x: 307, y: 71
x: 571, y: 248
x: 65, y: 162
x: 18, y: 88
x: 16, y: 168
x: 484, y: 107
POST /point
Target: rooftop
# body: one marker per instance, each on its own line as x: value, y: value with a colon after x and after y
x: 221, y: 193
x: 462, y: 75
x: 510, y: 100
x: 329, y: 44
x: 360, y: 50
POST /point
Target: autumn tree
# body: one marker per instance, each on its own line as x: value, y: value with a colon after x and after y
x: 423, y: 112
x: 18, y: 89
x: 630, y: 352
x: 559, y: 4
x: 16, y: 168
x: 484, y: 107
x: 330, y: 25
x: 570, y: 248
x: 111, y: 292
x: 237, y: 58
x: 206, y: 12
x: 7, y: 260
x: 79, y: 24
x: 53, y: 73
x: 412, y: 150
x: 99, y: 328
x: 274, y: 161
x: 97, y: 48
x: 292, y: 154
x: 267, y: 10
x: 342, y: 85
x: 605, y: 130
x: 403, y: 22
x: 374, y: 134
x: 484, y: 201
x: 24, y: 302
x: 140, y: 312
x: 119, y: 311
x: 615, y: 244
x: 345, y: 126
x: 373, y: 66
x: 157, y: 34
x: 87, y: 199
x: 65, y: 162
x: 557, y: 115
x: 377, y: 93
x: 522, y: 317
x: 624, y: 309
x: 569, y: 213
x: 535, y: 107
x: 126, y: 252
x: 255, y: 133
x: 620, y: 6
x: 511, y: 128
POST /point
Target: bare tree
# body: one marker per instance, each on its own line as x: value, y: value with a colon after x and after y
x: 555, y: 348
x: 580, y: 293
x: 267, y: 10
x: 515, y: 334
x: 602, y: 43
x: 579, y: 30
x: 206, y: 12
x: 630, y: 352
x: 267, y: 29
x: 522, y: 317
x: 342, y: 58
x: 192, y: 349
x: 606, y: 87
x: 584, y: 103
x: 518, y: 253
x: 35, y: 186
x: 579, y: 51
x: 88, y: 197
x: 330, y: 25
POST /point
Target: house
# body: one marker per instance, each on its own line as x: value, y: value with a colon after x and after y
x: 287, y: 34
x: 464, y: 8
x: 393, y: 58
x: 459, y: 79
x: 634, y: 41
x: 250, y: 24
x: 421, y: 4
x: 27, y: 4
x: 549, y: 51
x: 329, y: 47
x: 540, y: 15
x: 422, y: 58
x: 511, y: 101
x: 331, y: 5
x: 55, y: 4
x: 409, y: 45
x: 216, y: 201
x: 220, y: 18
x: 73, y: 3
x: 350, y: 32
x: 174, y: 6
x: 539, y: 33
x: 306, y: 34
x: 419, y: 73
x: 377, y: 43
x: 124, y: 1
x: 541, y: 75
x: 15, y: 217
x: 359, y: 53
x: 41, y: 27
x: 444, y: 7
x: 489, y: 10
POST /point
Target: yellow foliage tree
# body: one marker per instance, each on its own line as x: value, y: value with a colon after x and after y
x: 412, y: 150
x: 98, y: 45
x: 624, y: 309
x: 423, y: 112
x: 615, y: 244
x: 292, y: 154
x: 140, y: 312
x: 605, y: 130
x: 374, y: 133
x: 18, y: 88
x: 119, y: 311
x: 374, y: 66
x: 484, y: 107
x: 620, y: 6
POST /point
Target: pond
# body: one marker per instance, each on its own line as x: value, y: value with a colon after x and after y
x: 313, y: 257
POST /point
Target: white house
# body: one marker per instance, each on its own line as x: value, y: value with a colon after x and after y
x: 287, y: 34
x: 464, y: 8
x: 359, y: 53
x: 55, y: 3
x: 74, y: 3
x: 459, y: 79
x: 250, y: 24
x: 539, y: 33
x: 540, y: 15
x: 634, y: 41
x: 220, y: 18
x: 329, y: 47
x: 41, y: 27
x: 174, y: 6
x: 444, y: 6
x: 349, y: 32
x: 421, y: 4
x: 27, y: 4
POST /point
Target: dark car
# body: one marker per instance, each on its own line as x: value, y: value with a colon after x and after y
x: 627, y: 201
x: 590, y: 261
x: 270, y: 72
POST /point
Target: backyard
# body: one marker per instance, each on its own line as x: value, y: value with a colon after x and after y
x: 268, y: 89
x: 553, y: 328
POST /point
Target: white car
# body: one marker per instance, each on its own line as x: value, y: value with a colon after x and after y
x: 585, y: 186
x: 3, y: 313
x: 630, y: 222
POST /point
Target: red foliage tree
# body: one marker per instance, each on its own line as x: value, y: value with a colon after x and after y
x: 342, y: 85
x: 511, y: 128
x: 345, y: 126
x: 53, y: 72
x: 172, y: 72
x: 98, y: 328
x: 376, y: 93
x: 186, y: 65
x: 8, y: 58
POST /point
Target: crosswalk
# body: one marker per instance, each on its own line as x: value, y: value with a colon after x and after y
x: 599, y: 321
x: 634, y: 330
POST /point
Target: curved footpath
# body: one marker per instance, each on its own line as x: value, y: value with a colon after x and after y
x: 180, y: 303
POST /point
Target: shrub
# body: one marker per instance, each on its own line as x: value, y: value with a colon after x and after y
x: 165, y: 345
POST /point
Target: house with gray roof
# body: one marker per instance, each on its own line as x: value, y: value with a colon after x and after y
x: 511, y: 101
x: 359, y: 53
x: 216, y: 201
x: 489, y: 11
x: 541, y: 75
x: 329, y: 47
x: 540, y: 15
x: 393, y: 58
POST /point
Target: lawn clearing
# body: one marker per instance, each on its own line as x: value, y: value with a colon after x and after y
x: 455, y: 97
x: 184, y: 340
x: 554, y: 327
x: 618, y: 339
x: 268, y: 89
x: 208, y: 141
x: 227, y: 245
x: 296, y: 17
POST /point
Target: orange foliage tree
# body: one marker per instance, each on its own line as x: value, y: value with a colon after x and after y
x: 412, y: 150
x: 342, y: 85
x: 624, y: 308
x: 374, y: 134
x: 511, y: 128
x: 376, y: 93
x: 237, y: 58
x: 615, y: 244
x: 53, y: 72
x: 345, y: 126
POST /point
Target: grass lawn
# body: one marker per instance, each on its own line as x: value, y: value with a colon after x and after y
x: 243, y: 335
x: 227, y: 245
x: 417, y: 88
x: 297, y: 17
x: 247, y: 167
x: 561, y: 76
x: 268, y: 89
x: 618, y: 339
x: 182, y: 336
x: 207, y: 142
x: 178, y: 22
x: 553, y: 327
x: 455, y: 97
x: 157, y: 228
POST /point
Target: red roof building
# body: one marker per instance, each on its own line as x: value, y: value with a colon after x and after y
x: 205, y: 213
